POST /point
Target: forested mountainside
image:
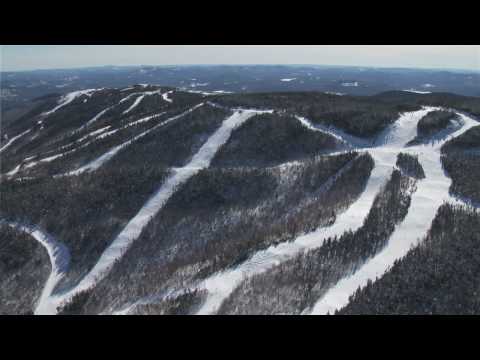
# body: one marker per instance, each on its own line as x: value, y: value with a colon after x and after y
x: 155, y: 200
x: 440, y: 276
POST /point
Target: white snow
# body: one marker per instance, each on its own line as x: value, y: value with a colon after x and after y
x: 100, y: 134
x: 59, y: 260
x: 338, y: 134
x: 165, y: 96
x: 288, y: 79
x: 398, y: 134
x: 90, y: 134
x: 431, y: 193
x: 193, y: 85
x: 15, y: 170
x: 418, y: 91
x: 96, y: 117
x: 135, y: 104
x: 220, y: 285
x: 350, y: 84
x: 68, y: 98
x: 10, y: 142
x: 135, y: 226
x: 98, y: 162
x: 140, y: 97
x: 126, y: 98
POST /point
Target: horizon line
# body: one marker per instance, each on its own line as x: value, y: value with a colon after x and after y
x: 470, y: 70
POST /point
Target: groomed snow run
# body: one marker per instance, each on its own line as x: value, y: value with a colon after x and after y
x: 99, y: 134
x: 137, y: 101
x: 10, y: 142
x: 431, y: 193
x: 135, y: 226
x: 59, y: 260
x: 140, y: 96
x: 417, y: 91
x: 68, y: 98
x: 219, y: 286
x: 222, y: 284
x: 166, y: 98
x: 98, y: 162
x: 95, y: 118
x: 338, y: 134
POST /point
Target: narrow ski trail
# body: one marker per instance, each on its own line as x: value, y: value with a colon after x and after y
x: 156, y: 202
x: 137, y: 101
x: 13, y: 139
x: 431, y: 193
x: 68, y: 98
x: 96, y: 135
x: 59, y: 260
x: 340, y: 135
x: 102, y: 159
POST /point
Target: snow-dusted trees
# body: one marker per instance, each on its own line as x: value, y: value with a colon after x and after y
x: 361, y: 116
x: 464, y: 169
x: 24, y: 268
x: 440, y: 276
x: 296, y: 284
x: 409, y: 165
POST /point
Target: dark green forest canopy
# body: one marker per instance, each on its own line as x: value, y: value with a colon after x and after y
x: 440, y: 276
x: 361, y: 116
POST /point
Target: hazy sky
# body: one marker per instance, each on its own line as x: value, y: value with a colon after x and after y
x: 26, y: 57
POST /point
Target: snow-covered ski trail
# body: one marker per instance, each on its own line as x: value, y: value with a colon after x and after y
x: 96, y: 134
x: 156, y: 202
x: 94, y: 119
x: 340, y: 135
x: 220, y: 285
x: 166, y: 98
x: 431, y: 193
x: 68, y: 98
x: 137, y: 101
x: 102, y: 159
x: 13, y: 139
x: 59, y: 259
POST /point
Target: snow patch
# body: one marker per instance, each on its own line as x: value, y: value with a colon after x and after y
x: 137, y: 101
x: 13, y: 139
x: 417, y: 91
x: 350, y: 84
x: 68, y: 98
x: 165, y: 96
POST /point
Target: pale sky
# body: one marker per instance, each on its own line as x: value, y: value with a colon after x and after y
x: 29, y: 57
